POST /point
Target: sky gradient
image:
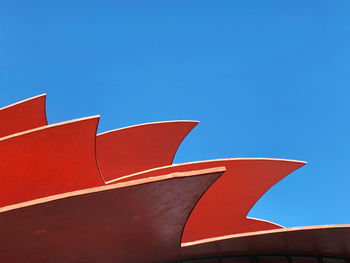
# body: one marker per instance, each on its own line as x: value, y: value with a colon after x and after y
x: 264, y: 78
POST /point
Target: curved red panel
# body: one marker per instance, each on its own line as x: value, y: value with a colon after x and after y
x: 231, y: 198
x: 23, y: 115
x: 129, y: 222
x: 141, y: 147
x: 48, y: 160
x: 332, y: 240
x: 224, y: 207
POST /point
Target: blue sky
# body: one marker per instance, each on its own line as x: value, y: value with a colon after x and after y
x: 265, y: 78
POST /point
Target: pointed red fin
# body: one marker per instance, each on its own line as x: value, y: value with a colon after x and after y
x: 229, y: 200
x: 127, y: 223
x: 24, y: 115
x: 48, y: 160
x: 141, y: 147
x: 224, y: 207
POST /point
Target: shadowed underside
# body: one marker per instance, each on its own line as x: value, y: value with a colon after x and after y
x: 229, y: 200
x: 56, y: 206
x: 115, y: 223
x: 332, y: 240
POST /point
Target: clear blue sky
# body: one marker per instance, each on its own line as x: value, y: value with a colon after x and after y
x: 265, y: 78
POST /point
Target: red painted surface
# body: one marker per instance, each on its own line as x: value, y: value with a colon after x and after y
x: 141, y: 147
x: 140, y: 216
x: 224, y: 207
x: 49, y: 160
x: 137, y: 223
x: 333, y: 241
x: 23, y: 115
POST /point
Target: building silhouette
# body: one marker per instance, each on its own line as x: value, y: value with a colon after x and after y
x: 69, y: 195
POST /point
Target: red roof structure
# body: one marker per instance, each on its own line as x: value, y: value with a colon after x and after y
x: 70, y: 195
